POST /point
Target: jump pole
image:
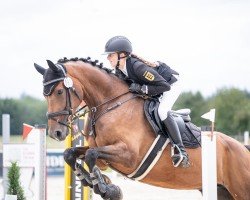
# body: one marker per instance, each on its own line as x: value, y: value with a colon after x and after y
x: 73, y: 188
x: 6, y: 140
x: 40, y: 163
x: 209, y: 164
x: 246, y: 137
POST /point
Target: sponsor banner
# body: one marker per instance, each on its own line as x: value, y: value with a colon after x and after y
x: 55, y: 162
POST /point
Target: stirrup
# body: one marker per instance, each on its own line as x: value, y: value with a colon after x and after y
x: 174, y: 146
x: 180, y: 155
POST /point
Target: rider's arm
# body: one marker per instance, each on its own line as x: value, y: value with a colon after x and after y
x: 155, y: 83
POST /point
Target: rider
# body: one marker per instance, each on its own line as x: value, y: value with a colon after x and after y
x: 151, y: 79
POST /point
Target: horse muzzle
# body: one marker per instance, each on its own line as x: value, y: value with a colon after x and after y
x: 58, y: 133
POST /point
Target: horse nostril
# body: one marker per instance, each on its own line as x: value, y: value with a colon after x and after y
x: 58, y: 134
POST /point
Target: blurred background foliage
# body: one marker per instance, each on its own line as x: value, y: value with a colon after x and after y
x: 232, y: 110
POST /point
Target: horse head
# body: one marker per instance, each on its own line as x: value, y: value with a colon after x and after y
x: 63, y: 96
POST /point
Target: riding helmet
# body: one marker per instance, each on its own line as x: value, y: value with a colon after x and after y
x: 118, y: 44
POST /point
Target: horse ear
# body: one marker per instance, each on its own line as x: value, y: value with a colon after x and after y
x: 40, y: 69
x: 53, y: 66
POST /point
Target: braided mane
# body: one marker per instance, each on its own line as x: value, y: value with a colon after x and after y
x: 94, y: 63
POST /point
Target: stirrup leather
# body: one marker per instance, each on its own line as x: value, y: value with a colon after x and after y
x: 173, y: 148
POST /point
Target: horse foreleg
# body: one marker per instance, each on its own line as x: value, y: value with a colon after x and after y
x: 70, y: 157
x: 113, y: 153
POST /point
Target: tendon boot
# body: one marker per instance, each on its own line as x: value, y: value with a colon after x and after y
x: 178, y: 152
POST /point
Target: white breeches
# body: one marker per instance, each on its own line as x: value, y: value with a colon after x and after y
x: 168, y: 99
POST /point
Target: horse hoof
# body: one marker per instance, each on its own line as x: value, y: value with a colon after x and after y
x: 86, y: 184
x: 106, y: 179
x: 113, y: 193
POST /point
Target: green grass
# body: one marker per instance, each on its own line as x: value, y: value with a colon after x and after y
x: 51, y: 143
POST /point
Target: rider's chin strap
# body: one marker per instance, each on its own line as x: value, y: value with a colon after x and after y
x: 119, y: 58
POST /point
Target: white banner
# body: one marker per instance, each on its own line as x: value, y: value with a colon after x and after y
x: 23, y: 154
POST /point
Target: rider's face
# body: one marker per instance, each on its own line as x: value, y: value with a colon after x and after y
x: 113, y: 58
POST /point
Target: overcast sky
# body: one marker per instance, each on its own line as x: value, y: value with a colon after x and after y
x: 207, y: 41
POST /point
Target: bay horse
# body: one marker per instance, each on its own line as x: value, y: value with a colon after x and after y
x: 120, y: 134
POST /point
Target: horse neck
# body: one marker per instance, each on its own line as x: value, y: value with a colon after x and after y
x: 97, y: 85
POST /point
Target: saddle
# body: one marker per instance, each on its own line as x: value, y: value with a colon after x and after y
x: 190, y: 133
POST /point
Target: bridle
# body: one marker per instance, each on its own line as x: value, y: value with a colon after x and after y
x: 68, y: 110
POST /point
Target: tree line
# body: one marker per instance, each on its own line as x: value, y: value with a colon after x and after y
x: 232, y: 110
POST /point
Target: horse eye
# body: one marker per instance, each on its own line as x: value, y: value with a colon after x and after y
x: 59, y: 91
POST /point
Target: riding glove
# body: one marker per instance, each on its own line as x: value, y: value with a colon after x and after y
x: 137, y: 88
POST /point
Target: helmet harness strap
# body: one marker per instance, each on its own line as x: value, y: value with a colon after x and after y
x: 119, y: 58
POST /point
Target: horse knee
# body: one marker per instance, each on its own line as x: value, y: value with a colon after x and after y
x: 91, y: 157
x: 69, y: 157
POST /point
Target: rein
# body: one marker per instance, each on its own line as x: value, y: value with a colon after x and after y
x: 94, y: 109
x: 94, y: 117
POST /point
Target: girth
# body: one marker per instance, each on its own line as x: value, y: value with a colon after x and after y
x: 150, y: 159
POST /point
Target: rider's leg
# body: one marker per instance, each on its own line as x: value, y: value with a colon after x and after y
x: 168, y: 99
x: 164, y: 110
x: 179, y: 153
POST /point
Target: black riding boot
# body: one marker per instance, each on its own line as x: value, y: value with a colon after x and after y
x: 179, y: 154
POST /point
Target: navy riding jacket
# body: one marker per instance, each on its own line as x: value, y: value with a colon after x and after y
x: 158, y: 79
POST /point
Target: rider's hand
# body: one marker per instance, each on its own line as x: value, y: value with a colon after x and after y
x: 137, y: 88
